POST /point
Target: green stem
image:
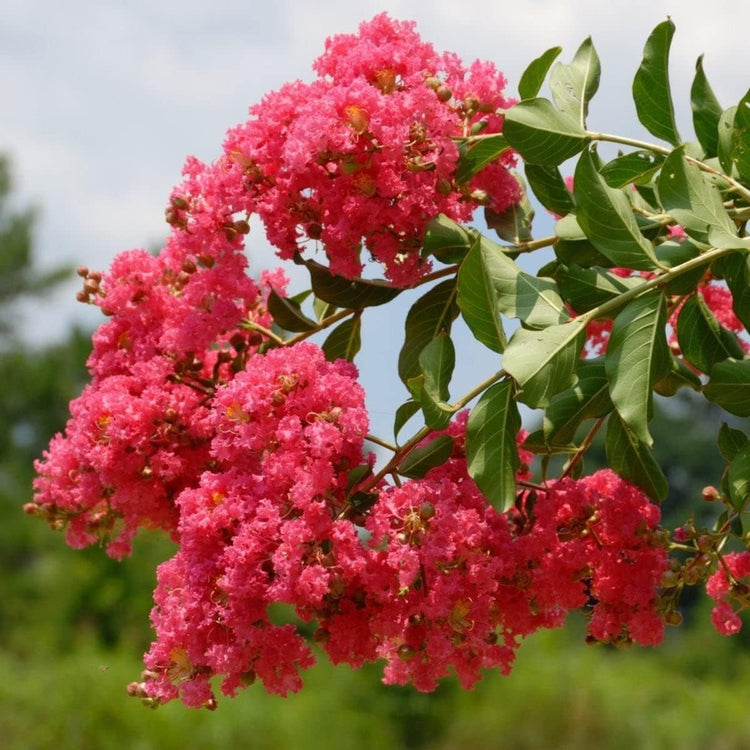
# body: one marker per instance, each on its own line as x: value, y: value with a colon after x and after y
x: 738, y: 187
x: 382, y: 443
x: 607, y: 307
x: 322, y: 325
x: 527, y: 247
x: 251, y: 325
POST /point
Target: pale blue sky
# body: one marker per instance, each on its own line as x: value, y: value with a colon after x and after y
x: 102, y: 101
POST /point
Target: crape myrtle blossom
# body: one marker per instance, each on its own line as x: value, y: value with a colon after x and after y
x: 360, y: 159
x: 435, y: 581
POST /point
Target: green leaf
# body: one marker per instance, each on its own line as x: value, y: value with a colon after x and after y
x: 346, y: 293
x: 640, y: 166
x: 607, y: 219
x: 437, y: 413
x: 436, y: 361
x: 651, y: 90
x: 403, y: 414
x: 541, y: 134
x: 430, y: 315
x: 587, y: 399
x: 703, y: 341
x: 678, y: 376
x: 726, y: 132
x: 446, y: 240
x: 637, y: 357
x: 632, y: 460
x: 344, y: 341
x: 533, y: 77
x: 430, y: 389
x: 513, y: 224
x: 736, y: 270
x: 674, y: 253
x: 573, y: 85
x: 729, y: 386
x: 706, y: 111
x: 543, y: 362
x: 479, y: 155
x: 549, y: 187
x: 537, y: 443
x: 426, y: 457
x: 491, y: 450
x: 693, y: 201
x: 323, y: 309
x: 731, y: 441
x: 741, y: 138
x: 587, y: 288
x: 287, y: 314
x: 738, y: 479
x: 489, y: 283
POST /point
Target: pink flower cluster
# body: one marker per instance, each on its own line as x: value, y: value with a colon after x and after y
x: 361, y: 158
x: 140, y: 431
x: 728, y: 587
x: 430, y: 579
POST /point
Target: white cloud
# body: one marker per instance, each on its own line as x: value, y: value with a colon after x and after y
x: 102, y: 101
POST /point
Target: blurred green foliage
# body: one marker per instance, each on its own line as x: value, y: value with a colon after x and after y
x: 73, y: 624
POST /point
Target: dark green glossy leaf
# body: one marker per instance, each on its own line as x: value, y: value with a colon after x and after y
x: 436, y: 361
x: 678, y: 376
x: 323, y: 309
x: 549, y: 187
x: 533, y: 77
x: 514, y: 224
x: 729, y: 386
x: 344, y: 341
x: 738, y: 479
x: 479, y: 155
x: 543, y: 362
x: 736, y: 271
x: 431, y: 314
x: 587, y: 288
x: 651, y: 90
x: 605, y: 216
x: 573, y: 85
x: 355, y: 293
x: 632, y: 460
x: 437, y: 413
x: 674, y: 253
x: 703, y: 341
x: 426, y: 457
x: 287, y: 314
x: 693, y: 201
x: 637, y: 357
x: 490, y: 283
x: 403, y: 414
x: 446, y: 240
x: 580, y: 253
x: 537, y: 443
x: 542, y: 134
x: 731, y: 441
x: 587, y: 399
x: 640, y: 166
x: 706, y: 111
x: 726, y: 132
x: 491, y: 450
x: 741, y: 138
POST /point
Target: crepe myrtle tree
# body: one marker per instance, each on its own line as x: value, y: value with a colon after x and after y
x: 227, y: 411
